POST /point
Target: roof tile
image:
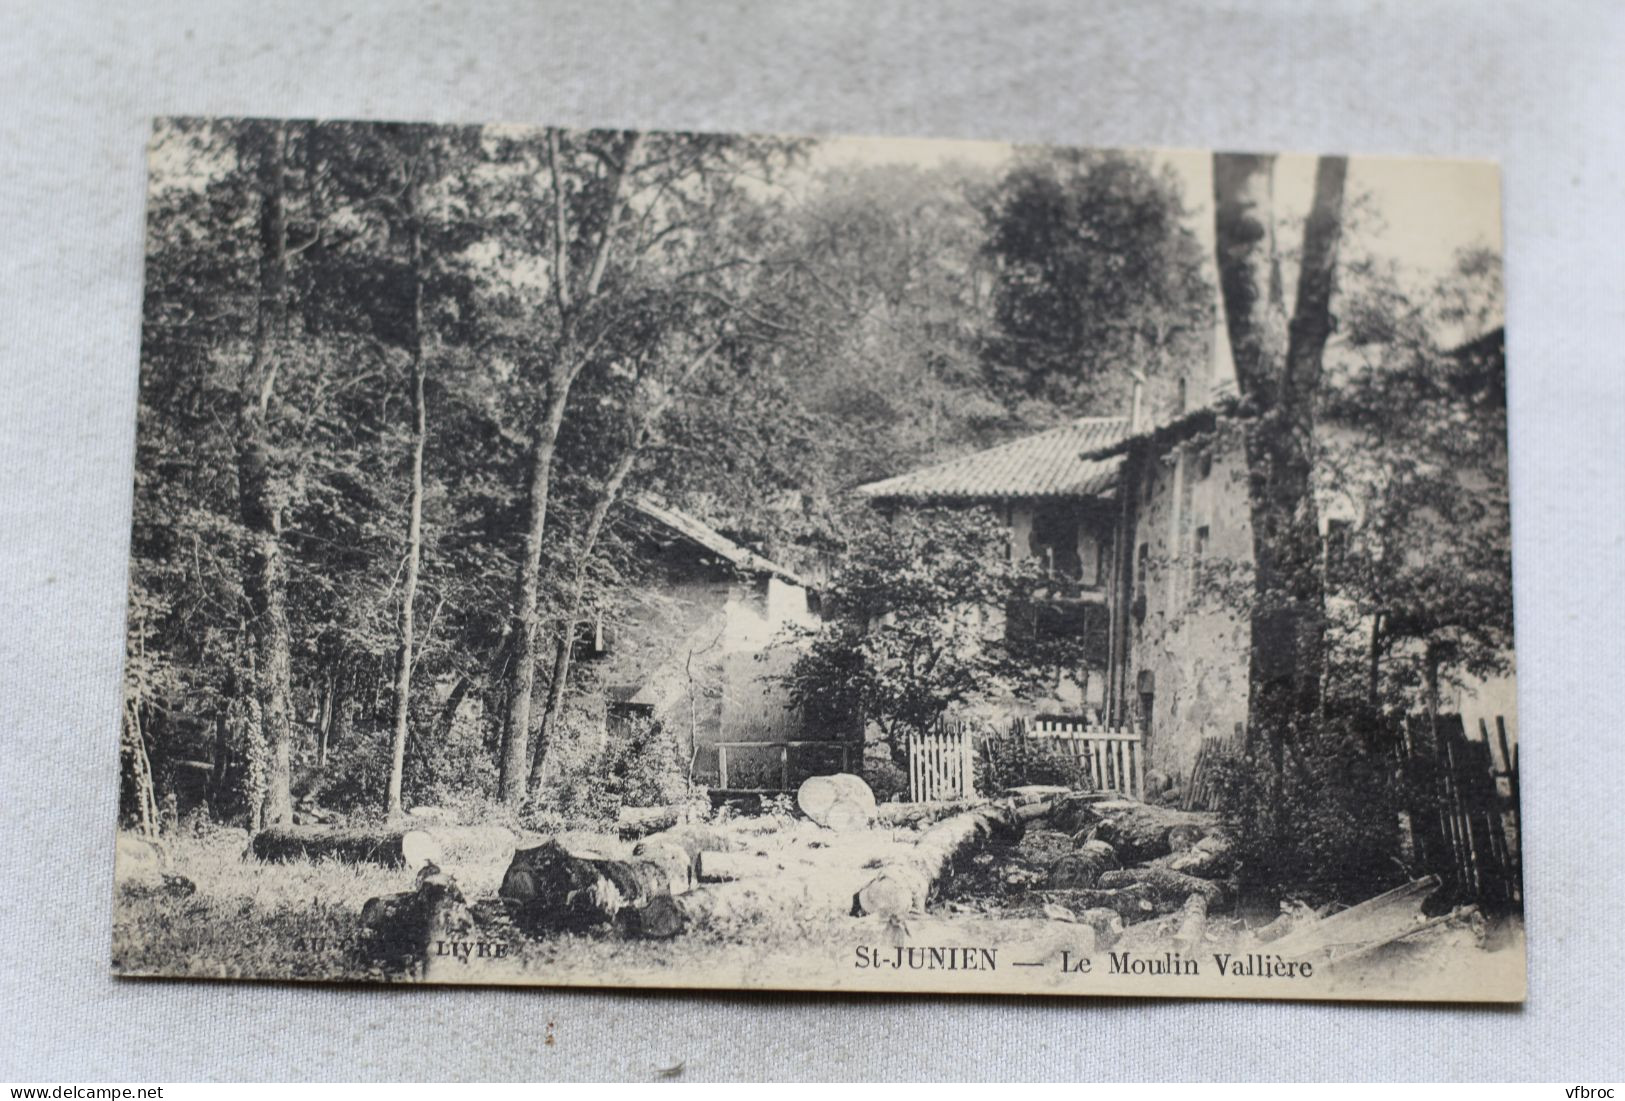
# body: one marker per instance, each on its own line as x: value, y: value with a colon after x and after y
x: 1048, y: 464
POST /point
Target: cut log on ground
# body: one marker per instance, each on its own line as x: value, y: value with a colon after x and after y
x: 1132, y: 904
x: 393, y: 848
x: 721, y: 867
x: 1167, y: 889
x: 1139, y: 831
x: 906, y: 882
x: 555, y: 889
x: 661, y: 918
x: 1077, y: 811
x: 1192, y: 924
x: 672, y: 859
x: 840, y: 801
x: 633, y: 822
x: 693, y: 838
x: 1082, y: 868
x: 1035, y: 793
x: 922, y: 814
x: 405, y: 927
x: 1032, y: 812
x: 1209, y: 858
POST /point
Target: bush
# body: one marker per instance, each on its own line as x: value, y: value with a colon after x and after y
x: 885, y: 779
x: 1015, y: 759
x: 1326, y: 830
x: 597, y: 772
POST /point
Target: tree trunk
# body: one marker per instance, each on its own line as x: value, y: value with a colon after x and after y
x: 515, y: 765
x: 1168, y: 890
x: 557, y: 688
x: 265, y: 576
x: 324, y: 720
x: 135, y: 747
x: 607, y: 497
x: 904, y: 885
x: 414, y: 521
x: 514, y: 773
x: 1278, y: 368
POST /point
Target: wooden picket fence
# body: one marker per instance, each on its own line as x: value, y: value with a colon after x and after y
x: 940, y: 764
x: 1113, y: 758
x: 1465, y: 825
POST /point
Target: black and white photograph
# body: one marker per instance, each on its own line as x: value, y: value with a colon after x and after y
x: 677, y: 559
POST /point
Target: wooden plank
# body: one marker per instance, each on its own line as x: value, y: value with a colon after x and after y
x: 722, y: 764
x: 1372, y: 919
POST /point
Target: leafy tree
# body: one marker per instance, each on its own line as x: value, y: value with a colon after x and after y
x: 622, y: 214
x: 1095, y: 269
x: 914, y: 626
x: 1420, y: 575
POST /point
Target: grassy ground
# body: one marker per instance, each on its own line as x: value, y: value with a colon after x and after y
x: 299, y: 920
x: 240, y: 918
x: 237, y: 918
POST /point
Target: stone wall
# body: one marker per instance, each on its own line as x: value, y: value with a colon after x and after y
x: 699, y: 647
x: 1188, y: 630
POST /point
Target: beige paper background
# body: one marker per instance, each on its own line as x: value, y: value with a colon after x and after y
x: 1535, y: 85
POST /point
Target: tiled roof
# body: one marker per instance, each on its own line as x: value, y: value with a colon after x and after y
x: 1049, y: 464
x: 741, y: 558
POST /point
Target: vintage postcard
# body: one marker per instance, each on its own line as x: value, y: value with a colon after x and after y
x: 701, y: 560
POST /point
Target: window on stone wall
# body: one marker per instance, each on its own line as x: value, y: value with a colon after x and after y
x: 1201, y: 542
x: 1054, y: 540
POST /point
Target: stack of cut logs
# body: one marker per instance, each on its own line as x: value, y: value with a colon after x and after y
x: 1132, y: 861
x: 1141, y: 861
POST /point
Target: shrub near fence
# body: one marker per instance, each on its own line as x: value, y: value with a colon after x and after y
x: 1112, y: 758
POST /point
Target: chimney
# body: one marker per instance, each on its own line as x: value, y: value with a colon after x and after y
x: 1136, y: 414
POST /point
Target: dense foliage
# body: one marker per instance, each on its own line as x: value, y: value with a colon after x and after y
x: 723, y: 321
x: 915, y: 625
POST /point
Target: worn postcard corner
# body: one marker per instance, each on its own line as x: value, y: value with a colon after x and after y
x: 707, y: 560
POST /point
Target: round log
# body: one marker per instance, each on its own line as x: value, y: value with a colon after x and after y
x: 824, y: 893
x: 1209, y: 858
x: 845, y: 814
x: 388, y: 846
x: 819, y: 795
x: 402, y: 927
x: 921, y: 814
x: 905, y: 883
x: 1167, y: 889
x: 720, y: 867
x: 1139, y: 831
x: 1192, y: 924
x: 673, y: 860
x: 693, y: 838
x: 1072, y: 870
x: 558, y: 890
